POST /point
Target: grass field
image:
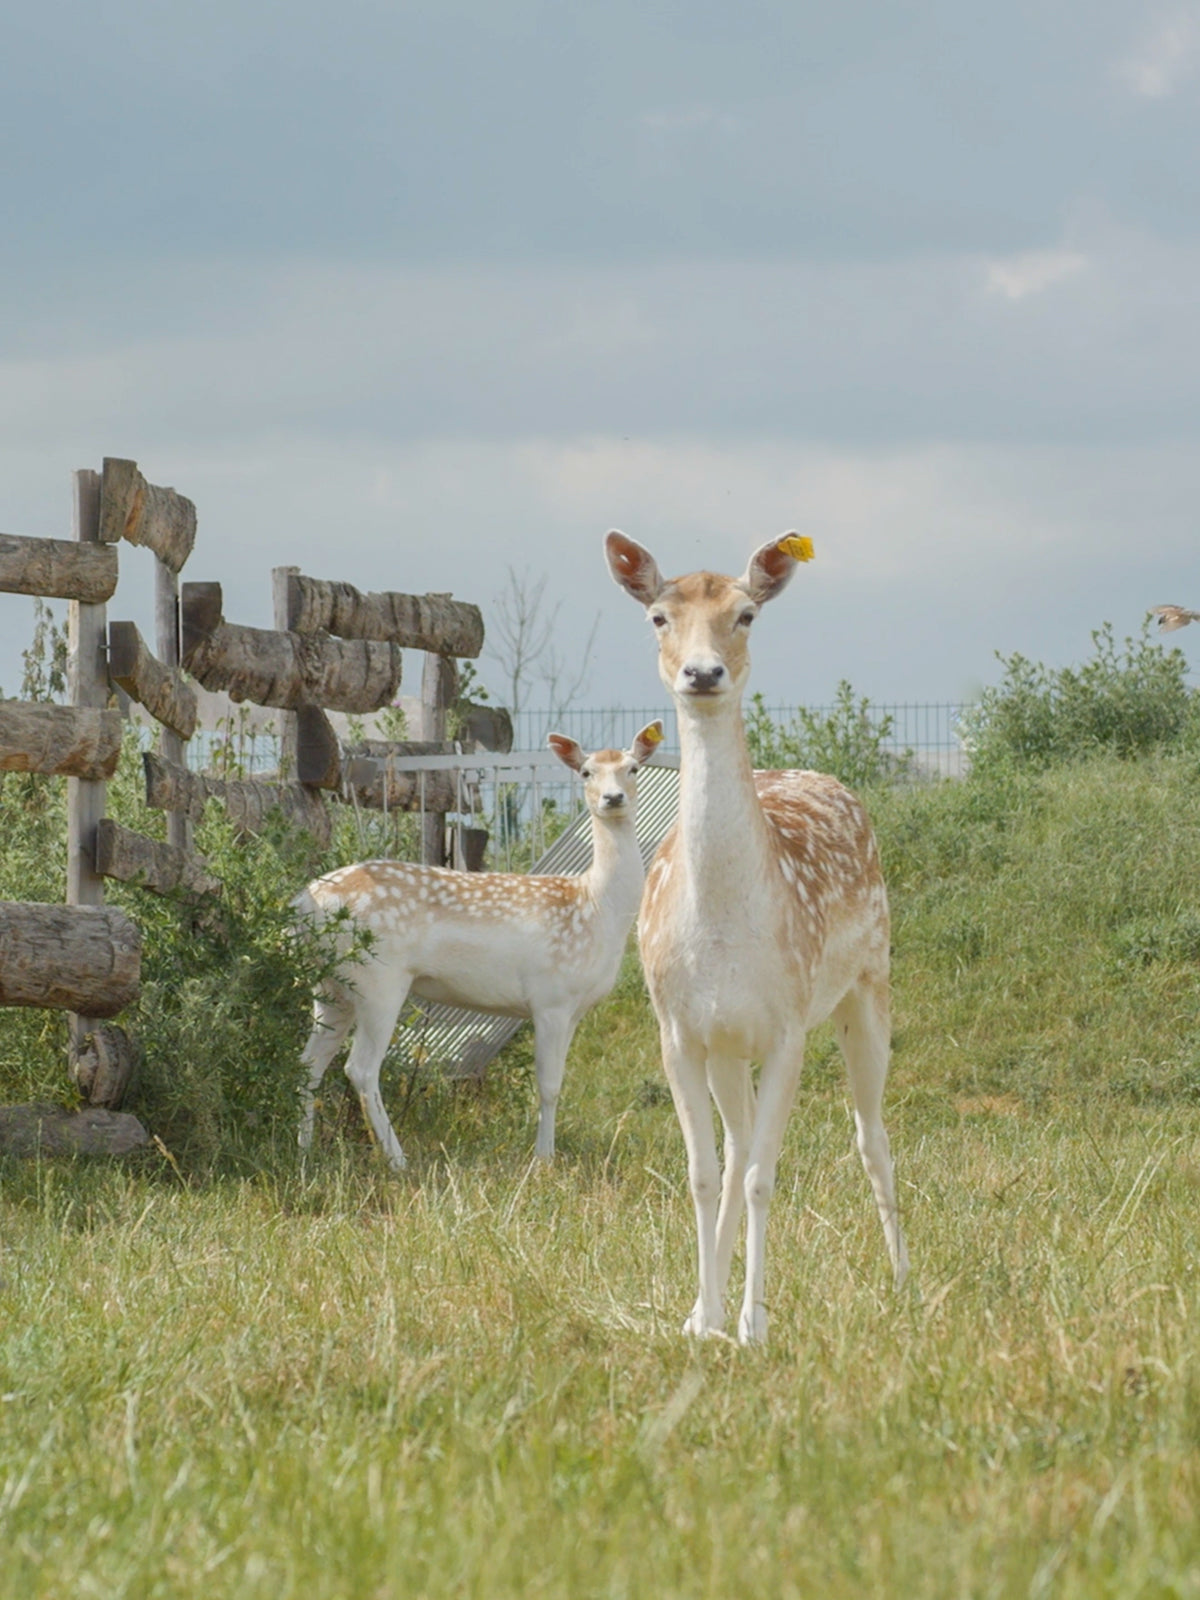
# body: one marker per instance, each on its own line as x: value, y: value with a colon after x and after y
x: 317, y: 1380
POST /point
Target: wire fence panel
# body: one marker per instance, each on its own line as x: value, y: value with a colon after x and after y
x: 930, y: 730
x: 461, y: 1042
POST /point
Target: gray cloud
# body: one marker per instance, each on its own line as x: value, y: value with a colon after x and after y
x: 407, y: 294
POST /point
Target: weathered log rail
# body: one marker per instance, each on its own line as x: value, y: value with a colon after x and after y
x: 85, y: 959
x: 143, y: 513
x: 131, y: 857
x: 333, y: 648
x: 71, y: 741
x: 434, y: 622
x: 376, y: 782
x: 248, y: 802
x: 57, y: 569
x: 287, y: 670
x: 164, y: 692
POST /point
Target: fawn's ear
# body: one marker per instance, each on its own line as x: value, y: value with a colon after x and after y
x: 647, y: 742
x: 567, y: 751
x: 633, y: 568
x: 771, y: 567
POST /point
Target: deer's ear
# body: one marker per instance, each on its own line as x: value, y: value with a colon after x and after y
x: 647, y: 742
x: 567, y: 751
x: 771, y: 566
x: 633, y: 568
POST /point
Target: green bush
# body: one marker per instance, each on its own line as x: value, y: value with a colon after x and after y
x: 224, y: 1006
x: 223, y: 1013
x: 847, y: 741
x: 1128, y: 703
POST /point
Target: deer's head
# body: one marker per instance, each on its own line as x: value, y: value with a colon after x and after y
x: 702, y: 621
x: 609, y: 776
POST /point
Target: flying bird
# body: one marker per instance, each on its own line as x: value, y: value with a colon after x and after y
x: 1172, y: 617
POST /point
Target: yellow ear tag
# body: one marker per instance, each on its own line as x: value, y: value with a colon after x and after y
x: 798, y: 546
x: 652, y: 735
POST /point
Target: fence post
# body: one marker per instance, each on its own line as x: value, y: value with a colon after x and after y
x: 100, y: 1062
x: 166, y: 641
x: 439, y: 689
x: 282, y: 622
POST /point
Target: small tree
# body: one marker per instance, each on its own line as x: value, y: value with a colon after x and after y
x: 45, y: 660
x: 521, y: 641
x: 846, y: 741
x: 1127, y: 702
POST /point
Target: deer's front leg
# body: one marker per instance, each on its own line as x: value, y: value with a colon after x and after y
x: 552, y: 1031
x: 687, y: 1076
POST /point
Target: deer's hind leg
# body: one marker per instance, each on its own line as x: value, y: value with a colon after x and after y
x: 863, y: 1022
x: 376, y: 1007
x: 776, y: 1091
x: 333, y: 1017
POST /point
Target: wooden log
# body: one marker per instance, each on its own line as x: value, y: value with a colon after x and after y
x: 289, y: 733
x: 247, y: 801
x: 78, y: 742
x: 166, y: 642
x: 103, y: 1066
x: 162, y: 868
x: 318, y: 755
x: 284, y: 669
x: 490, y: 727
x: 143, y: 513
x: 435, y: 622
x: 87, y: 677
x: 58, y: 569
x: 200, y: 615
x: 380, y: 789
x: 399, y: 749
x: 368, y: 770
x: 470, y: 848
x: 439, y: 690
x: 87, y: 680
x: 164, y: 692
x: 85, y: 959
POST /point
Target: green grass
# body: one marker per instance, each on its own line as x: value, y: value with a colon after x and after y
x: 317, y: 1380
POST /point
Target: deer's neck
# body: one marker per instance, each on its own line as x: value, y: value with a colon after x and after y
x: 722, y: 832
x: 616, y: 874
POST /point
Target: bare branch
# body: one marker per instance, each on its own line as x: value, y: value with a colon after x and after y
x: 553, y: 674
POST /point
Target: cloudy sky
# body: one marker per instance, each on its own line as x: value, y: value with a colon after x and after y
x: 409, y: 293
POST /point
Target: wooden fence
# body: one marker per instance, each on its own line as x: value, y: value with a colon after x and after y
x: 332, y: 648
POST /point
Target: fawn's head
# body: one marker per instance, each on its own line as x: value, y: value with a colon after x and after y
x: 609, y: 776
x: 702, y: 621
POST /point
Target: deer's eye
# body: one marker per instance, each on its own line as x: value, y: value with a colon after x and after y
x: 658, y: 619
x: 632, y: 770
x: 585, y: 773
x: 747, y: 617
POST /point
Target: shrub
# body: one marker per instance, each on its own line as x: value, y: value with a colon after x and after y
x: 847, y: 741
x: 1128, y: 703
x: 224, y: 1008
x: 223, y: 1013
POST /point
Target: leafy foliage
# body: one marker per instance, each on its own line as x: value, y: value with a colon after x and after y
x: 226, y: 984
x: 847, y: 741
x: 224, y: 1008
x: 45, y: 660
x: 1128, y: 702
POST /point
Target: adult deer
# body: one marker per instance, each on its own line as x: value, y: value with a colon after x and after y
x: 764, y: 913
x: 516, y: 944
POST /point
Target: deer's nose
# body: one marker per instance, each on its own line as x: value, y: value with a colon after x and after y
x: 700, y: 680
x: 612, y: 799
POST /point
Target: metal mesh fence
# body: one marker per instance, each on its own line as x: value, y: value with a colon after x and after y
x: 927, y: 729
